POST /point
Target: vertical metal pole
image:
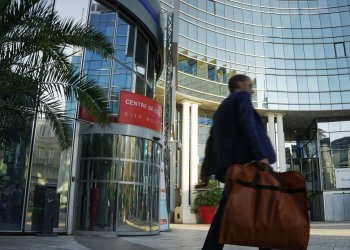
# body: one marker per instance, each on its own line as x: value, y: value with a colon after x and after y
x: 167, y: 114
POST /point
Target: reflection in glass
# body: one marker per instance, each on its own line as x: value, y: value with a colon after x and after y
x: 50, y: 170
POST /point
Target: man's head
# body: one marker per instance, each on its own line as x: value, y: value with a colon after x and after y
x: 240, y: 83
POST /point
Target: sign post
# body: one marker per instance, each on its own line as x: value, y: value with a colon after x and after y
x: 163, y: 211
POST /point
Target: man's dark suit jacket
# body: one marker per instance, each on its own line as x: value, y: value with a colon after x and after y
x: 238, y: 135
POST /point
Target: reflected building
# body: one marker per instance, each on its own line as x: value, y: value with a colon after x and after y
x: 298, y: 55
x: 110, y: 183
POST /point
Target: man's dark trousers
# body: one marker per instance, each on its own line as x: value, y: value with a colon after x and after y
x: 212, y: 240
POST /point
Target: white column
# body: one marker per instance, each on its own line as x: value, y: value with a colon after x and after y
x: 194, y: 148
x: 185, y: 170
x: 281, y: 144
x: 272, y: 133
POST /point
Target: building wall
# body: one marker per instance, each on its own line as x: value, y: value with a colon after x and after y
x: 296, y: 51
x: 118, y: 167
x: 298, y: 55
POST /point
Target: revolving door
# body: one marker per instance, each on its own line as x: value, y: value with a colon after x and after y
x: 118, y: 186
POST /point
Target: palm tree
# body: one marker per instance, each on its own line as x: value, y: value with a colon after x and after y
x: 35, y: 71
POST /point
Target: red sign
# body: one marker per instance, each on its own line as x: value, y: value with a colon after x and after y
x: 86, y: 116
x: 139, y: 110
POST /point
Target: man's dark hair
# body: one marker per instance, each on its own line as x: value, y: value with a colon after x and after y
x: 232, y: 83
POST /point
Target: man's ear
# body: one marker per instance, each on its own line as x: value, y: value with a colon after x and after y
x: 239, y: 85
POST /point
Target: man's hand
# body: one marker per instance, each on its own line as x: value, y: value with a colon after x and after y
x: 264, y: 161
x: 263, y: 164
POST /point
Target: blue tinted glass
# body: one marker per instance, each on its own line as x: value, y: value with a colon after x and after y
x: 335, y: 19
x: 220, y: 9
x: 211, y: 72
x: 335, y: 97
x: 333, y: 82
x: 325, y: 20
x: 211, y: 6
x: 339, y: 49
x: 279, y: 52
x: 323, y: 83
x: 344, y: 82
x: 345, y: 97
x: 221, y: 40
x: 272, y: 97
x: 299, y: 51
x: 302, y: 84
x: 314, y: 98
x: 211, y: 37
x: 325, y: 98
x: 271, y: 82
x: 183, y: 27
x: 303, y: 98
x: 192, y: 31
x: 329, y: 50
x: 293, y: 98
x: 312, y: 82
x: 309, y: 51
x: 292, y: 83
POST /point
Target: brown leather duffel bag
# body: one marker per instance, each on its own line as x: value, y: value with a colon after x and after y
x: 265, y: 209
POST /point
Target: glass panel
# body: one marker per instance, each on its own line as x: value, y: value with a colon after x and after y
x: 49, y: 173
x: 125, y: 42
x: 150, y: 74
x: 122, y: 77
x: 13, y: 168
x: 97, y: 206
x: 326, y: 160
x: 140, y: 63
x: 340, y: 149
x: 133, y: 208
x: 339, y: 49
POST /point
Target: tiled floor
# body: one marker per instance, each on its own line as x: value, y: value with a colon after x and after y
x: 330, y: 236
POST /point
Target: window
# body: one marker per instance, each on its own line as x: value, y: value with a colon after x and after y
x: 51, y: 156
x: 42, y: 130
x: 220, y: 9
x: 125, y: 42
x: 140, y: 63
x: 41, y: 155
x: 221, y: 75
x: 182, y: 63
x: 211, y: 6
x: 339, y: 49
x: 211, y: 72
x: 150, y: 74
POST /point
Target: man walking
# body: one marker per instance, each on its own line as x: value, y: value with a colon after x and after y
x: 238, y: 137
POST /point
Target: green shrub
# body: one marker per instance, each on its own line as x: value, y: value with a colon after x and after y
x: 209, y: 196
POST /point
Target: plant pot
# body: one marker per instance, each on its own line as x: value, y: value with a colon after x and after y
x: 206, y: 214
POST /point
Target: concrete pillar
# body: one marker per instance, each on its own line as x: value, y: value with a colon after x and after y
x: 271, y: 124
x: 187, y: 216
x: 194, y: 148
x: 272, y: 133
x: 185, y: 173
x: 281, y: 144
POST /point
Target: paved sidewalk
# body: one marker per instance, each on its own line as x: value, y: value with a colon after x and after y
x: 324, y: 236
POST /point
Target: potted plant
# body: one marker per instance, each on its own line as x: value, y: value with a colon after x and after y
x: 207, y: 201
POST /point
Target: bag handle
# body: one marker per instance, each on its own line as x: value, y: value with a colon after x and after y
x: 261, y: 167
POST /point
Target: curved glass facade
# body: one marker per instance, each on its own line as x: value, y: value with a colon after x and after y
x: 118, y: 187
x: 297, y: 52
x: 136, y: 63
x: 119, y: 167
x: 298, y: 55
